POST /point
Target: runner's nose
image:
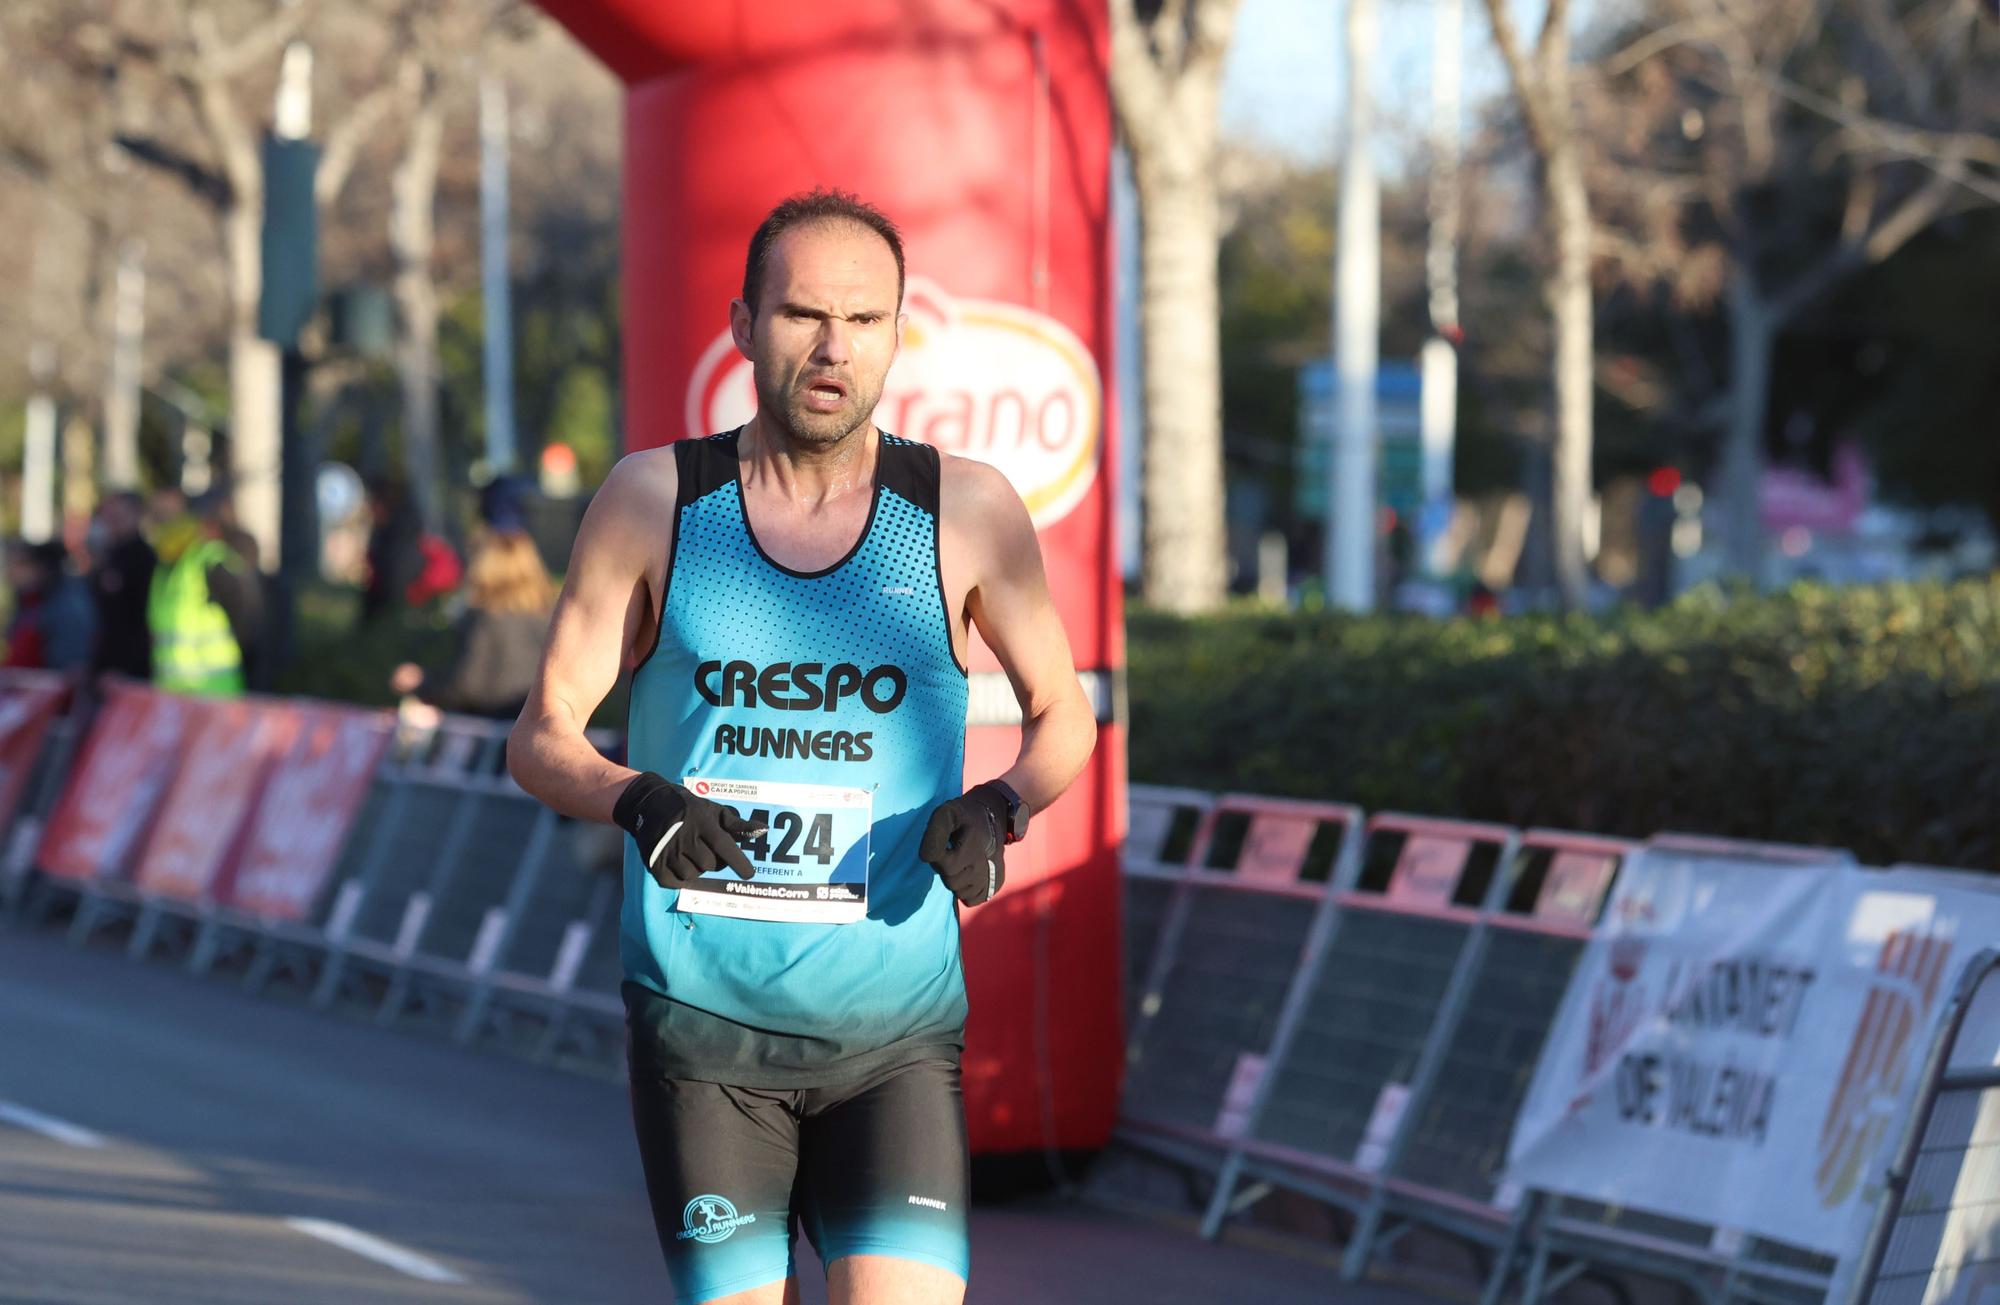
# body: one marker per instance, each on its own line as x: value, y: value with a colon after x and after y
x: 832, y: 348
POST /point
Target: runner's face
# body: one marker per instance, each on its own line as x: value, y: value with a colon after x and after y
x: 822, y: 339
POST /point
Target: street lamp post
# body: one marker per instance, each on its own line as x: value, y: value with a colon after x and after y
x: 1350, y: 533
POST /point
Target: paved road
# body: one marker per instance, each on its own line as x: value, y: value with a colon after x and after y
x: 218, y: 1118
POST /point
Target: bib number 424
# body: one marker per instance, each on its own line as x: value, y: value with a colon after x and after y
x: 788, y: 828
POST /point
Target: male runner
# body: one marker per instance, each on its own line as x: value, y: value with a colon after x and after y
x: 794, y: 597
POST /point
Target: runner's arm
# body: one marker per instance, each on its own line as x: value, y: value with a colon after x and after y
x: 605, y: 603
x: 1009, y: 602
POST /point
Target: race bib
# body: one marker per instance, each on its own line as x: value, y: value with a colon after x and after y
x: 811, y: 863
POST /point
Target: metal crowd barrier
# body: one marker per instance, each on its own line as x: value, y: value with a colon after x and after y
x: 1239, y: 922
x: 38, y: 800
x: 455, y: 896
x: 507, y: 927
x: 1361, y: 1040
x: 107, y: 895
x: 1346, y: 1008
x: 1163, y: 827
x: 1442, y: 1167
x: 453, y: 812
x: 1562, y: 1237
x: 555, y: 918
x: 411, y: 831
x: 1356, y: 1019
x: 1936, y: 1232
x: 277, y: 949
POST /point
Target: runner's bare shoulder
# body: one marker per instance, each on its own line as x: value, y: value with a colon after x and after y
x: 975, y: 495
x: 630, y: 518
x: 981, y: 517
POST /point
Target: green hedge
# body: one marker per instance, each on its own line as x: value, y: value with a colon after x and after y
x: 336, y: 656
x: 1860, y: 718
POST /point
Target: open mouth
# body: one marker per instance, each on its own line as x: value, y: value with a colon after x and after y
x: 826, y: 390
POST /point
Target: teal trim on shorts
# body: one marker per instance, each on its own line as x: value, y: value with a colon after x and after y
x: 716, y: 1291
x: 957, y: 1266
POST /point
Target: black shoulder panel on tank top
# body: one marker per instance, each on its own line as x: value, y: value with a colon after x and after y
x: 702, y: 467
x: 705, y: 465
x: 912, y: 470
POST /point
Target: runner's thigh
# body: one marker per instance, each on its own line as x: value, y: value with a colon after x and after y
x: 883, y: 1172
x: 720, y: 1164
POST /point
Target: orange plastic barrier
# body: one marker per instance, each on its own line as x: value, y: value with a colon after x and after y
x: 242, y: 803
x: 297, y: 832
x: 127, y: 762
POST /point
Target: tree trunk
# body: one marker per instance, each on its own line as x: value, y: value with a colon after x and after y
x: 1569, y: 298
x: 1185, y: 550
x: 411, y: 240
x: 254, y: 452
x: 1752, y: 339
x: 121, y: 392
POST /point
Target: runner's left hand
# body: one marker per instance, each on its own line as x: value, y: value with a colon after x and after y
x: 965, y: 842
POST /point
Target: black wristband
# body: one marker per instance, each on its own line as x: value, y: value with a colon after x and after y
x: 630, y: 812
x: 1014, y: 824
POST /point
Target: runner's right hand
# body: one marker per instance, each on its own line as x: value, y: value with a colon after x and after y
x: 682, y: 837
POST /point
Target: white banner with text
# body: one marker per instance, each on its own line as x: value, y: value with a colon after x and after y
x: 1741, y: 1040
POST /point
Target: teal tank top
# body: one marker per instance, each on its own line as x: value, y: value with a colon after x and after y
x: 843, y: 677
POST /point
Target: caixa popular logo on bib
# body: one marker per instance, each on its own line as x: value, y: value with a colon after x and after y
x: 977, y: 377
x: 710, y: 1219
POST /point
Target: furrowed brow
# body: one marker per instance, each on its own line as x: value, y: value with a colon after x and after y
x: 821, y: 314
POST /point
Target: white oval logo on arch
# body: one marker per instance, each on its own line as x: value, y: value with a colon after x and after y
x: 980, y: 378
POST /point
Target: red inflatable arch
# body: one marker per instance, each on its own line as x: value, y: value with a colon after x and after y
x: 983, y: 127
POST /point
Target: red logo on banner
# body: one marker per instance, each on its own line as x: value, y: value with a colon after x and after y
x: 307, y: 810
x: 1616, y: 1007
x: 1910, y: 967
x: 980, y: 378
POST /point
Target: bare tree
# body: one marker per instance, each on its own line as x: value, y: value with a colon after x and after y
x: 1166, y: 81
x: 1542, y: 84
x: 208, y: 68
x: 213, y: 148
x: 396, y: 182
x: 435, y: 40
x: 412, y: 238
x: 1818, y: 138
x: 81, y: 204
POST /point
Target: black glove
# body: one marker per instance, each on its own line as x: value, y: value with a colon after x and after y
x: 682, y: 837
x: 964, y: 840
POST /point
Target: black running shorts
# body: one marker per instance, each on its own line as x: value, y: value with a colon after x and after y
x: 873, y: 1168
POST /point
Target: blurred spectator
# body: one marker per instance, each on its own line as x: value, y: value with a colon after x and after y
x: 394, y: 560
x: 54, y: 626
x: 439, y: 571
x: 121, y: 577
x: 166, y: 504
x: 1482, y: 602
x: 503, y: 503
x: 267, y: 601
x: 205, y: 607
x: 509, y: 596
x: 231, y: 532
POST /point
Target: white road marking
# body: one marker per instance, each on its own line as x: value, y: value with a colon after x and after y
x: 48, y: 1125
x: 368, y: 1246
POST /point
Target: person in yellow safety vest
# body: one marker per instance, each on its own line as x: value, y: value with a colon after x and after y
x: 204, y: 610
